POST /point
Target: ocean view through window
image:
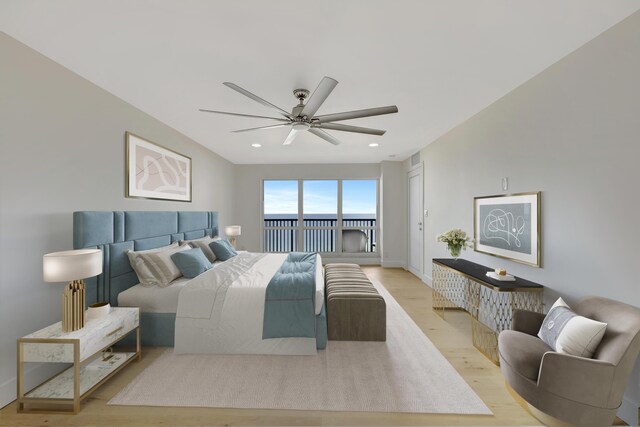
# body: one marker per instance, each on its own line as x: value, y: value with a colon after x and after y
x: 338, y: 216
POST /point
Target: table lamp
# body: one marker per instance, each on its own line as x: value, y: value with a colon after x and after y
x: 232, y: 231
x: 72, y: 266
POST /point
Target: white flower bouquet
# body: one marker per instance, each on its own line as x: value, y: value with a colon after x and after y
x: 456, y: 240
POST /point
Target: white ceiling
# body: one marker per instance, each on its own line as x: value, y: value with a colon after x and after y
x: 439, y: 61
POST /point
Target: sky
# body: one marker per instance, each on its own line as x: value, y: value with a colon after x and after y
x: 320, y: 197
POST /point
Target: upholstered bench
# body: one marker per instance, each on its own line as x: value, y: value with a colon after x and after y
x: 355, y: 309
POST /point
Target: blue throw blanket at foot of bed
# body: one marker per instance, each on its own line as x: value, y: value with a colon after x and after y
x: 289, y: 306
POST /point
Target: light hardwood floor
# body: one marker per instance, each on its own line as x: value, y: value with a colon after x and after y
x: 452, y: 336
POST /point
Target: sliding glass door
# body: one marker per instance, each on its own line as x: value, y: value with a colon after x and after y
x: 280, y: 216
x: 320, y: 215
x: 359, y: 216
x: 328, y: 216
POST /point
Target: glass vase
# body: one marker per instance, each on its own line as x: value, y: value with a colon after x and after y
x: 454, y: 250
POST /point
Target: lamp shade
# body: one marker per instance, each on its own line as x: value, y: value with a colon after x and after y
x: 71, y: 265
x: 232, y: 230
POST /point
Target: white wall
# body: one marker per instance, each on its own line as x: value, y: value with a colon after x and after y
x: 393, y: 208
x: 62, y: 149
x: 573, y: 133
x: 249, y: 181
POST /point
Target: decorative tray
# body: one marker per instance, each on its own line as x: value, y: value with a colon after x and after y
x: 507, y: 278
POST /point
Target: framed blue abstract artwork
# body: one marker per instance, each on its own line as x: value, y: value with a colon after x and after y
x: 508, y: 227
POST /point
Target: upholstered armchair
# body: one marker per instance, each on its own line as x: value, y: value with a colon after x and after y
x: 564, y: 389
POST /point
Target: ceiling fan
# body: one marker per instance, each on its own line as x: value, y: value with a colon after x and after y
x: 302, y: 117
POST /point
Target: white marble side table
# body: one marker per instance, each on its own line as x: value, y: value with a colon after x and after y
x: 85, y: 349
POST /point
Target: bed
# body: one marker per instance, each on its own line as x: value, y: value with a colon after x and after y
x: 238, y: 325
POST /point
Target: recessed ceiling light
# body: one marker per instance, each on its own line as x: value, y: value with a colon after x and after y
x: 392, y: 155
x: 256, y: 145
x: 373, y: 144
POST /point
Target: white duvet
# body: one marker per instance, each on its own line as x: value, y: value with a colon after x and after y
x: 234, y: 326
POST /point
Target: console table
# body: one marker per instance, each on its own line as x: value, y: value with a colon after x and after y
x: 462, y: 284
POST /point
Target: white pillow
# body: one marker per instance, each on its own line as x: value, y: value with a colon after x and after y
x: 566, y: 332
x: 155, y: 267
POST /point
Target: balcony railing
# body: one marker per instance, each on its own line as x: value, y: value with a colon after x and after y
x: 318, y: 234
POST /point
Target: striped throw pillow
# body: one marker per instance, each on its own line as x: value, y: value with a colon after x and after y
x: 154, y: 267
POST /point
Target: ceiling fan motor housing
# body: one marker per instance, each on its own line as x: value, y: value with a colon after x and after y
x: 300, y: 125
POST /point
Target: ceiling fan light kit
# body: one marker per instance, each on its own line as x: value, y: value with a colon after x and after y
x: 302, y: 117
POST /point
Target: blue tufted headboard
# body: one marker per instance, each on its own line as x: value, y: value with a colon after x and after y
x: 116, y: 232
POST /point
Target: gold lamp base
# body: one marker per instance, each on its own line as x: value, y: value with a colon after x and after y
x: 73, y: 300
x: 232, y: 240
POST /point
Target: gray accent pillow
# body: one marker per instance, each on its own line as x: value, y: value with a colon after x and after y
x: 554, y: 323
x: 566, y: 332
x: 154, y: 267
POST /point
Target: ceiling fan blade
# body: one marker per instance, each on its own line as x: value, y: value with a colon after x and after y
x: 322, y: 92
x: 256, y: 98
x: 292, y: 135
x: 322, y: 134
x: 347, y: 128
x: 262, y: 127
x: 336, y: 117
x: 243, y: 115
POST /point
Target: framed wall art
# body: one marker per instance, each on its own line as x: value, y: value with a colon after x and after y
x: 155, y: 172
x: 508, y: 227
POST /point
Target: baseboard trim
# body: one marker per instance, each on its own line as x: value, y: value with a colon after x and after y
x: 393, y: 263
x: 629, y: 411
x: 33, y: 376
x: 427, y: 280
x: 7, y: 392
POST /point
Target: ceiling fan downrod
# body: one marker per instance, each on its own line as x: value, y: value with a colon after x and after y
x: 301, y: 94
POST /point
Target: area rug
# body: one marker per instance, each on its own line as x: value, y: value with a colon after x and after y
x: 404, y: 374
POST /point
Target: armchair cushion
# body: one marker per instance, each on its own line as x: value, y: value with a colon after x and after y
x: 523, y: 352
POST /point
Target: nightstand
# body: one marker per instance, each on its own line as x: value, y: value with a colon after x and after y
x: 85, y: 349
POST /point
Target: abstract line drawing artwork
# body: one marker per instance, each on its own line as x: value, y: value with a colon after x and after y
x: 508, y: 226
x: 155, y: 172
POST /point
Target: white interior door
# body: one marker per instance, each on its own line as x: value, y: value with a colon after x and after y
x: 416, y: 235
